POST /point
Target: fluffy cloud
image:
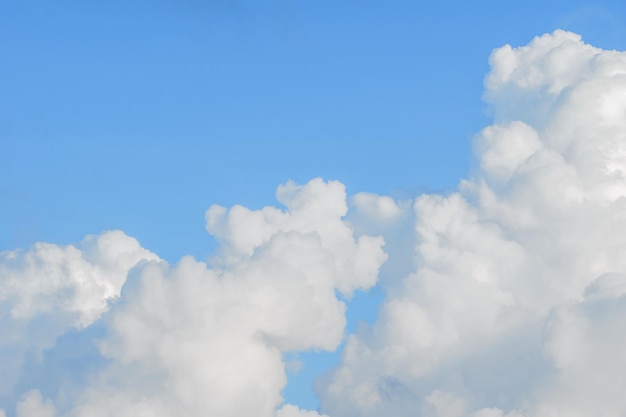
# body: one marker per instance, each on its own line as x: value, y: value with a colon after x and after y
x: 78, y: 281
x: 49, y: 290
x: 193, y: 339
x: 516, y: 303
x: 505, y: 298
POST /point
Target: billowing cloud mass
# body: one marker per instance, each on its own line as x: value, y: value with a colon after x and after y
x: 516, y: 304
x: 505, y: 298
x: 188, y: 339
x: 50, y: 290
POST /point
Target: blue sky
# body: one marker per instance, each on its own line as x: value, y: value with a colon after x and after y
x: 140, y: 115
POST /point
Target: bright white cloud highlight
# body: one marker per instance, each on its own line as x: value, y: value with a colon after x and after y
x: 79, y: 281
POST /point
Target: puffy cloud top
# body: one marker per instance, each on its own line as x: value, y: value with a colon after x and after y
x: 79, y: 281
x: 193, y: 339
x: 515, y: 305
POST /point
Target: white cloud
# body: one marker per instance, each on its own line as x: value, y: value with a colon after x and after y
x: 79, y: 281
x: 32, y: 405
x: 190, y: 339
x: 505, y: 298
x: 515, y: 303
x: 49, y: 289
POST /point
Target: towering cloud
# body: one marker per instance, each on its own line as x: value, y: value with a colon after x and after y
x: 516, y: 304
x: 505, y: 298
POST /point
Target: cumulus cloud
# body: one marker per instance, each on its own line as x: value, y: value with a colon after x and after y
x: 78, y: 281
x: 505, y: 298
x: 197, y: 339
x: 49, y: 290
x: 515, y: 304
